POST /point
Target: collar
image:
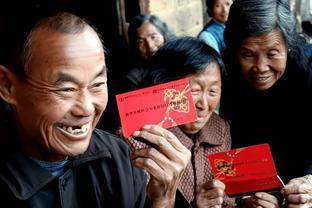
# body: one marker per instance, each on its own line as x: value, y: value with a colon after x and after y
x: 218, y: 23
x: 24, y: 177
x: 209, y: 134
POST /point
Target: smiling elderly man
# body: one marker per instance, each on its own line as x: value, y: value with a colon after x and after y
x: 54, y: 77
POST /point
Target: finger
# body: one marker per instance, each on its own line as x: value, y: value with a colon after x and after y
x: 161, y: 160
x: 211, y: 202
x: 298, y: 198
x: 162, y: 143
x: 149, y: 166
x: 249, y: 201
x: 213, y: 184
x: 266, y: 197
x: 166, y: 134
x: 298, y: 205
x: 211, y: 194
x: 302, y: 188
x: 158, y: 141
x: 266, y: 204
x: 296, y: 181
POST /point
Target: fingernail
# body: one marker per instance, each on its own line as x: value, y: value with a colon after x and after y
x: 147, y: 126
x: 258, y: 195
x: 136, y: 133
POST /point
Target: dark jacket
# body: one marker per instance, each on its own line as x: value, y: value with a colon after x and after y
x: 279, y: 116
x: 101, y: 177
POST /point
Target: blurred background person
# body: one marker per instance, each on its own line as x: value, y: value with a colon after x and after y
x: 212, y: 33
x: 146, y: 33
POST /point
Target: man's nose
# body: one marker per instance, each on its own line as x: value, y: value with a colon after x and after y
x: 84, y: 105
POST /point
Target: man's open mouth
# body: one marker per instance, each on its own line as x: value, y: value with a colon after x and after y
x: 78, y: 130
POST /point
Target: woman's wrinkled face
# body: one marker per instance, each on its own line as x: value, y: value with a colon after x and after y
x: 149, y: 40
x: 221, y: 10
x: 263, y: 59
x: 206, y: 92
x: 64, y: 94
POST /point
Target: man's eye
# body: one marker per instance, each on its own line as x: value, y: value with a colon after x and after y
x: 99, y: 84
x: 68, y: 89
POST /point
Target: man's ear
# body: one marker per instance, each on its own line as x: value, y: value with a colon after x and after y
x: 7, y: 87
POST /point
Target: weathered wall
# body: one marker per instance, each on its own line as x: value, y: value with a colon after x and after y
x: 184, y: 17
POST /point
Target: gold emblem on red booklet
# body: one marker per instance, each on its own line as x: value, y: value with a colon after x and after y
x: 224, y: 167
x: 246, y: 172
x: 175, y: 101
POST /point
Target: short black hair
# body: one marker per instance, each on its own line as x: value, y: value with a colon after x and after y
x: 181, y: 57
x: 16, y: 33
x: 209, y: 6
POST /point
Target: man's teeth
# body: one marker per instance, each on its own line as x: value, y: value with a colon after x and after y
x: 78, y: 130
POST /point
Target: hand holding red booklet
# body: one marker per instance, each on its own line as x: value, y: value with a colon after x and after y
x: 167, y: 105
x: 246, y: 170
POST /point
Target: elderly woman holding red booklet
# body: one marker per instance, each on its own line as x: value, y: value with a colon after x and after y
x: 193, y: 59
x: 265, y: 95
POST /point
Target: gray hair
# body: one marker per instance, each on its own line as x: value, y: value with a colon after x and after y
x: 138, y: 21
x: 248, y: 18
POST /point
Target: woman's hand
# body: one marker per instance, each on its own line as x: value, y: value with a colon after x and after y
x: 165, y: 161
x: 210, y: 194
x: 260, y: 200
x: 298, y: 192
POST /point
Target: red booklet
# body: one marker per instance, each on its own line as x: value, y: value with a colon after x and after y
x: 246, y: 170
x: 167, y: 105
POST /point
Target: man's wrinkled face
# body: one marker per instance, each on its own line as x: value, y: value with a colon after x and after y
x: 64, y: 94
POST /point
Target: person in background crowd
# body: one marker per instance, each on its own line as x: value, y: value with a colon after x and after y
x: 147, y: 33
x: 192, y: 58
x: 212, y: 33
x: 53, y: 75
x: 265, y: 96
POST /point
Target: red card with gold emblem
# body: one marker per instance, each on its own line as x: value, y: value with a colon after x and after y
x: 246, y: 170
x: 169, y: 104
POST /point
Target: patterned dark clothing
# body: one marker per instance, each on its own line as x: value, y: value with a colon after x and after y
x: 214, y: 137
